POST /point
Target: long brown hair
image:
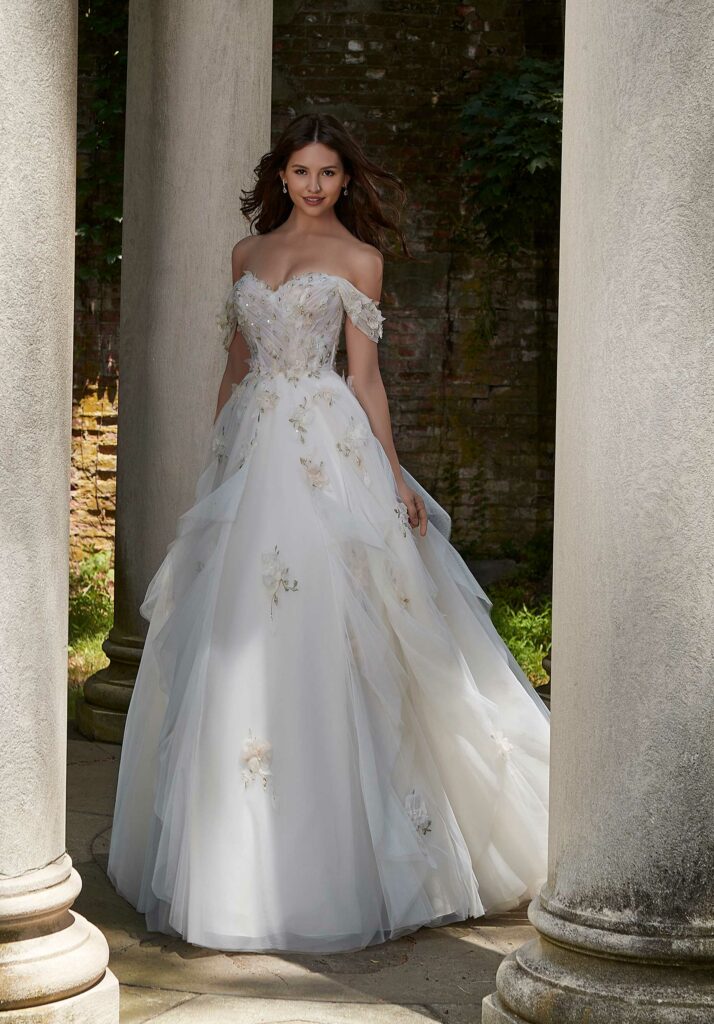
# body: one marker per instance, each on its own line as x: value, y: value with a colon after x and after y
x: 362, y: 211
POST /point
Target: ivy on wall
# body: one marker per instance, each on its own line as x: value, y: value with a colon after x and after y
x: 512, y: 131
x: 103, y: 27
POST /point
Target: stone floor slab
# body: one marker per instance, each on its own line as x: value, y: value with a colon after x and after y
x: 140, y: 1005
x: 82, y: 828
x: 223, y: 1010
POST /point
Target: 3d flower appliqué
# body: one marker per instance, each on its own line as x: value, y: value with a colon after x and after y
x: 301, y: 418
x: 256, y: 755
x: 218, y: 447
x: 326, y: 395
x: 276, y: 575
x: 351, y: 443
x: 417, y: 810
x: 315, y: 472
x: 267, y: 399
x: 403, y: 515
x: 504, y: 744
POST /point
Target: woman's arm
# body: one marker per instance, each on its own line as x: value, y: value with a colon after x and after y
x: 368, y: 386
x: 238, y: 351
x: 235, y: 371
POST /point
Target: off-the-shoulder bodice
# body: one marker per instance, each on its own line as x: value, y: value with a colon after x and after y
x: 295, y: 328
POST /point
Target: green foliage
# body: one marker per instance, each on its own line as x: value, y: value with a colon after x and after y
x: 103, y: 26
x: 512, y: 132
x: 527, y: 633
x: 522, y: 604
x: 91, y: 601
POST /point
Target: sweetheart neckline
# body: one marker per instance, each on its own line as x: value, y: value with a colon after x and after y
x: 298, y: 277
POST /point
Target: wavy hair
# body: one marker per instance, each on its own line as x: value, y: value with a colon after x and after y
x: 363, y: 211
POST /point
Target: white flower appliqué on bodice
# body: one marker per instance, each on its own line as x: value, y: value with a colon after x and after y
x: 294, y: 329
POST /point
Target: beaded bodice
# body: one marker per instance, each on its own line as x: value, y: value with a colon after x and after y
x: 294, y: 329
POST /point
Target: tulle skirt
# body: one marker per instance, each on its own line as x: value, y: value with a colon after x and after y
x: 328, y: 743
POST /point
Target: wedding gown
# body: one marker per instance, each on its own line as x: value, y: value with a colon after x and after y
x: 328, y: 743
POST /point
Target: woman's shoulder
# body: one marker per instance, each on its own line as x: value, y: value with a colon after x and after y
x: 366, y: 264
x: 241, y: 254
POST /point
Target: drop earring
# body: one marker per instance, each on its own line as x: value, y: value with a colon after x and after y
x: 344, y: 191
x: 285, y: 188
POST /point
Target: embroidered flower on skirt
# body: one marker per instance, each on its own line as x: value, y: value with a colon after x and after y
x: 256, y: 755
x: 301, y: 418
x: 326, y: 395
x: 403, y: 515
x: 218, y: 447
x: 397, y: 584
x: 417, y: 811
x: 315, y: 472
x: 267, y: 399
x: 502, y: 741
x: 276, y: 575
x: 351, y: 443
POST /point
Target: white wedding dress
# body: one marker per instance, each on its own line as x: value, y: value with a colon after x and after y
x: 328, y: 743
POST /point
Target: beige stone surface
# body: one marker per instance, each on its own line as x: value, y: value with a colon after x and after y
x: 438, y: 974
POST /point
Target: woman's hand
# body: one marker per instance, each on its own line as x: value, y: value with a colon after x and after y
x: 416, y: 509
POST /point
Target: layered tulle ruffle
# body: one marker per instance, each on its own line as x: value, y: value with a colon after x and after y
x: 328, y: 743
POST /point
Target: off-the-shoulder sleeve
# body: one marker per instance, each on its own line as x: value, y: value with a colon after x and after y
x: 362, y: 311
x: 227, y: 319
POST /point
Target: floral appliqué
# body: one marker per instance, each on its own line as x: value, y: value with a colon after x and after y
x: 276, y: 575
x: 301, y: 418
x: 398, y: 586
x: 502, y: 741
x: 326, y: 395
x: 218, y: 447
x: 316, y: 474
x: 417, y: 810
x: 358, y: 564
x: 267, y: 399
x: 256, y: 755
x: 403, y: 515
x: 351, y: 443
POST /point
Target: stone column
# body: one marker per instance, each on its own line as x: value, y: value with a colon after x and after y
x: 51, y: 959
x: 626, y: 917
x: 198, y: 121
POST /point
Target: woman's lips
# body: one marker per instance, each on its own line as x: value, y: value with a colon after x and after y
x: 313, y: 200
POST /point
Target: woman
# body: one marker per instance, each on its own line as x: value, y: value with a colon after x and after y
x: 328, y: 744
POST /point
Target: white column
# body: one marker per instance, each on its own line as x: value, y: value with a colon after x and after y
x: 626, y: 918
x: 51, y: 959
x: 198, y: 121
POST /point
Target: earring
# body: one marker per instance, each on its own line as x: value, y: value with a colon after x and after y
x: 344, y: 191
x: 285, y: 188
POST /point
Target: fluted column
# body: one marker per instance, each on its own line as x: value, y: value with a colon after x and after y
x: 51, y: 959
x: 626, y: 918
x: 198, y: 121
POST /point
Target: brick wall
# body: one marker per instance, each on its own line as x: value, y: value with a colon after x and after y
x: 469, y: 351
x: 468, y: 356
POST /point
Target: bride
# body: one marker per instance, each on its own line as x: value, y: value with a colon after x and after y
x: 328, y: 743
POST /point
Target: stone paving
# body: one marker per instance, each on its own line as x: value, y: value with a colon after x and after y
x: 435, y: 974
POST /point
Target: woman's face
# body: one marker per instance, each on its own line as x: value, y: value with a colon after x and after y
x: 314, y: 176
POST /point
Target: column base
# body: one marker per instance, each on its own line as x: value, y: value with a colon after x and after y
x: 542, y: 983
x: 96, y: 1005
x: 494, y: 1012
x: 101, y: 711
x: 99, y: 723
x: 51, y: 959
